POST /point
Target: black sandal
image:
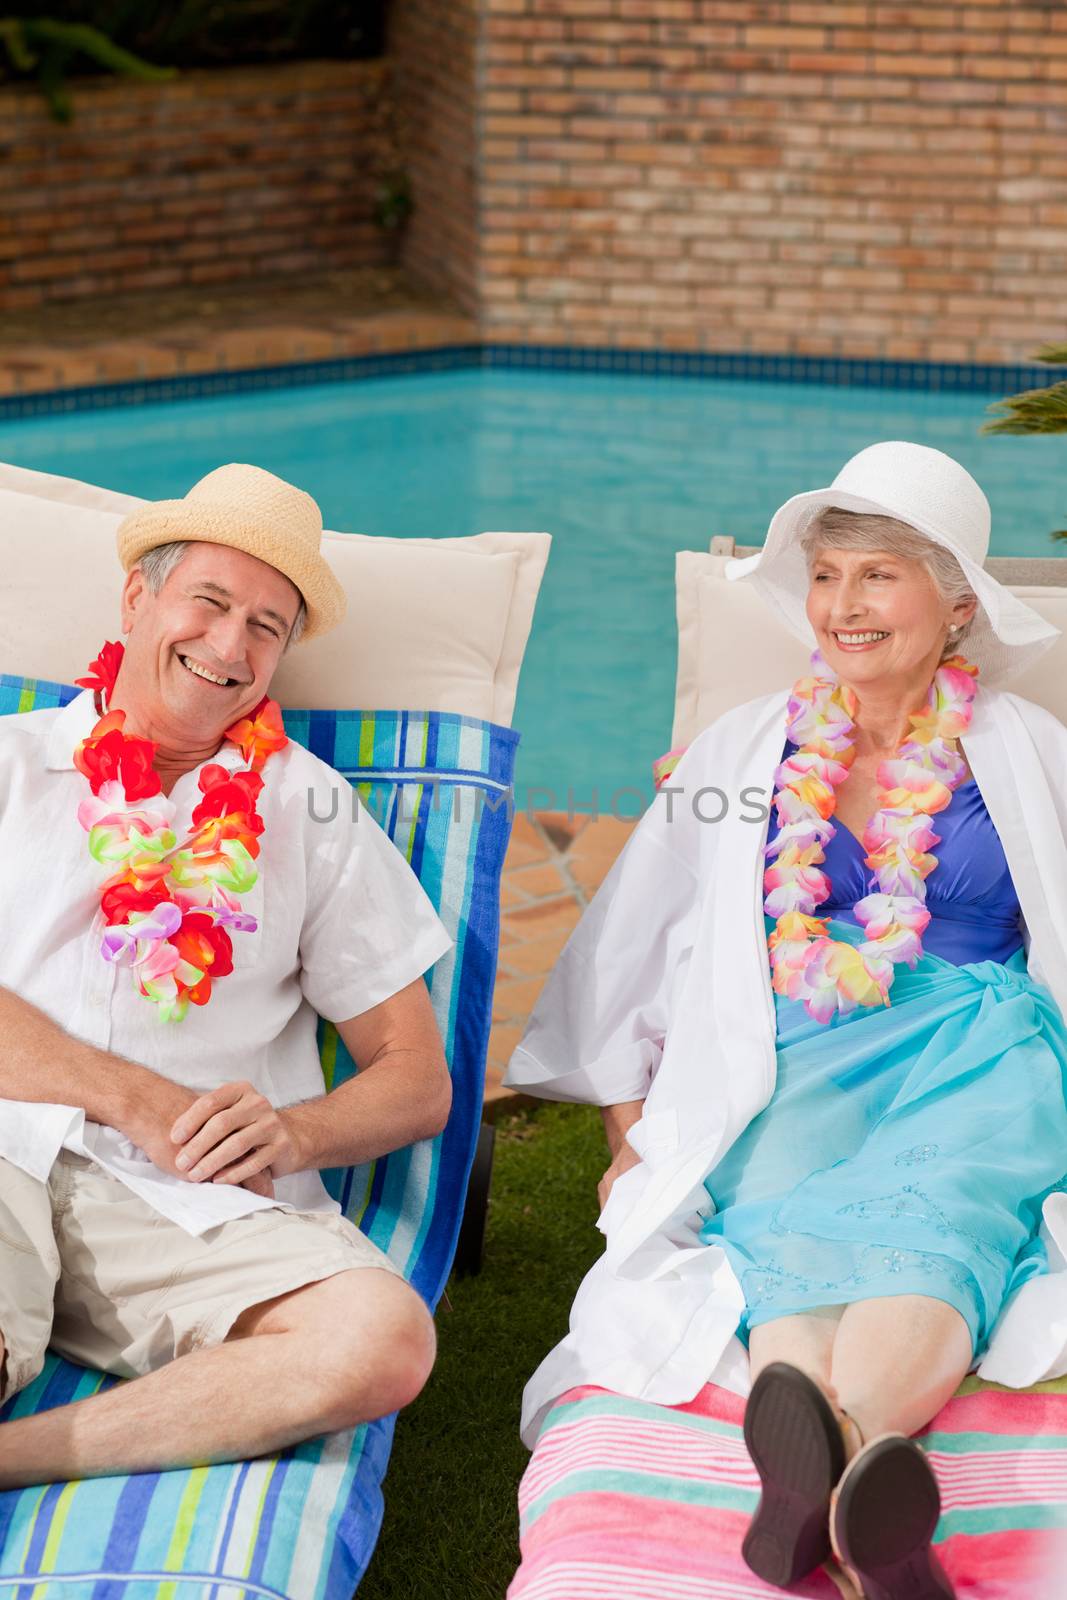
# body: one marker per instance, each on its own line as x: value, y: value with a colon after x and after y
x: 883, y: 1519
x: 795, y: 1443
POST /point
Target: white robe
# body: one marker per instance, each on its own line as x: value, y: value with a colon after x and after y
x: 663, y: 994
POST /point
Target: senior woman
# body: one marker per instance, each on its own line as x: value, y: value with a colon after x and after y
x: 832, y: 1053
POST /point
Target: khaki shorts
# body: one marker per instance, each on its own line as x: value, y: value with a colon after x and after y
x: 89, y: 1268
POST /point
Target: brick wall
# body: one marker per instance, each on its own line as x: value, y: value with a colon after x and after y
x: 213, y: 177
x: 787, y: 175
x: 434, y: 54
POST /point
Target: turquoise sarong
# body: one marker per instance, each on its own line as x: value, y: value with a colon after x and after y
x: 907, y: 1149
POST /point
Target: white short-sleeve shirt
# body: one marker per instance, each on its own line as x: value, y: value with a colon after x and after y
x: 343, y: 924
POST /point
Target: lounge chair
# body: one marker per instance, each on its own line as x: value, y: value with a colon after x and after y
x: 301, y: 1525
x: 648, y: 1502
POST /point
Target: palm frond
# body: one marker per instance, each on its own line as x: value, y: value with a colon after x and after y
x: 1033, y: 411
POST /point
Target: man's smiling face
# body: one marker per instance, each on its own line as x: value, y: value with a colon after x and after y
x: 201, y: 653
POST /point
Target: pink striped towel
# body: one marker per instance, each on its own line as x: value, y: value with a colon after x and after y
x: 624, y: 1500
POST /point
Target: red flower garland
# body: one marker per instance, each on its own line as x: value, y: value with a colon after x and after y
x: 170, y: 908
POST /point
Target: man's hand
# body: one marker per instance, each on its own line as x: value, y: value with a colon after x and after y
x: 232, y: 1135
x: 626, y: 1158
x: 40, y: 1061
x: 150, y: 1129
x: 148, y: 1123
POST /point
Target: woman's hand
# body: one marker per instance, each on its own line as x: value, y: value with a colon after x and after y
x: 234, y: 1135
x: 626, y: 1158
x: 618, y: 1120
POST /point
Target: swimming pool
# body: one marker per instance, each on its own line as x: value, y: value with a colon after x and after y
x: 621, y: 470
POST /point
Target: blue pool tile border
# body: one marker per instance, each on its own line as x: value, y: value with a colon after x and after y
x: 943, y: 376
x: 249, y: 380
x: 851, y: 370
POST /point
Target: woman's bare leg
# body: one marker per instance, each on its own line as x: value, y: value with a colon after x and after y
x: 890, y: 1364
x: 805, y: 1341
x: 897, y: 1360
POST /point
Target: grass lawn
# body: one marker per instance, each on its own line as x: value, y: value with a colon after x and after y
x: 451, y: 1525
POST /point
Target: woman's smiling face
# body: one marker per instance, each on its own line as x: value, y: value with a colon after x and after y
x: 878, y: 615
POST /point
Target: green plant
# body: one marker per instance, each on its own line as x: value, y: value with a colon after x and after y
x: 199, y: 33
x: 125, y: 36
x: 1035, y: 410
x: 385, y: 146
x: 45, y: 47
x: 394, y: 201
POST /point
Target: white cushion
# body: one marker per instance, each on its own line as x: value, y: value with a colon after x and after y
x: 731, y: 649
x: 432, y: 624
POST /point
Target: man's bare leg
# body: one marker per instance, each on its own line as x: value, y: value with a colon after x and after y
x: 321, y: 1358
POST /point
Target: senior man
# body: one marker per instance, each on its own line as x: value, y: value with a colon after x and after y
x: 174, y: 915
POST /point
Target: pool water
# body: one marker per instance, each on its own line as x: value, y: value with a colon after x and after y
x: 621, y: 470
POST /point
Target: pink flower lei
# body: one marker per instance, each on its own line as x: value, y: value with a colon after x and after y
x: 829, y: 975
x: 171, y: 906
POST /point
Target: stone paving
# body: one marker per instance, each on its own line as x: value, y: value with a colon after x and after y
x: 261, y: 324
x: 555, y: 863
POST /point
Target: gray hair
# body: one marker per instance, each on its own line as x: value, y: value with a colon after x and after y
x: 837, y: 529
x: 158, y: 564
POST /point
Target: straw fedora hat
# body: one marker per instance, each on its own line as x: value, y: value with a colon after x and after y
x: 933, y: 494
x: 251, y: 510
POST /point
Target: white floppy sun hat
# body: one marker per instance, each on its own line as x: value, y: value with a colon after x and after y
x: 934, y: 495
x: 251, y: 510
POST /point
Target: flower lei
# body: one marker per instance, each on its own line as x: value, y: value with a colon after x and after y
x: 827, y: 974
x: 171, y: 907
